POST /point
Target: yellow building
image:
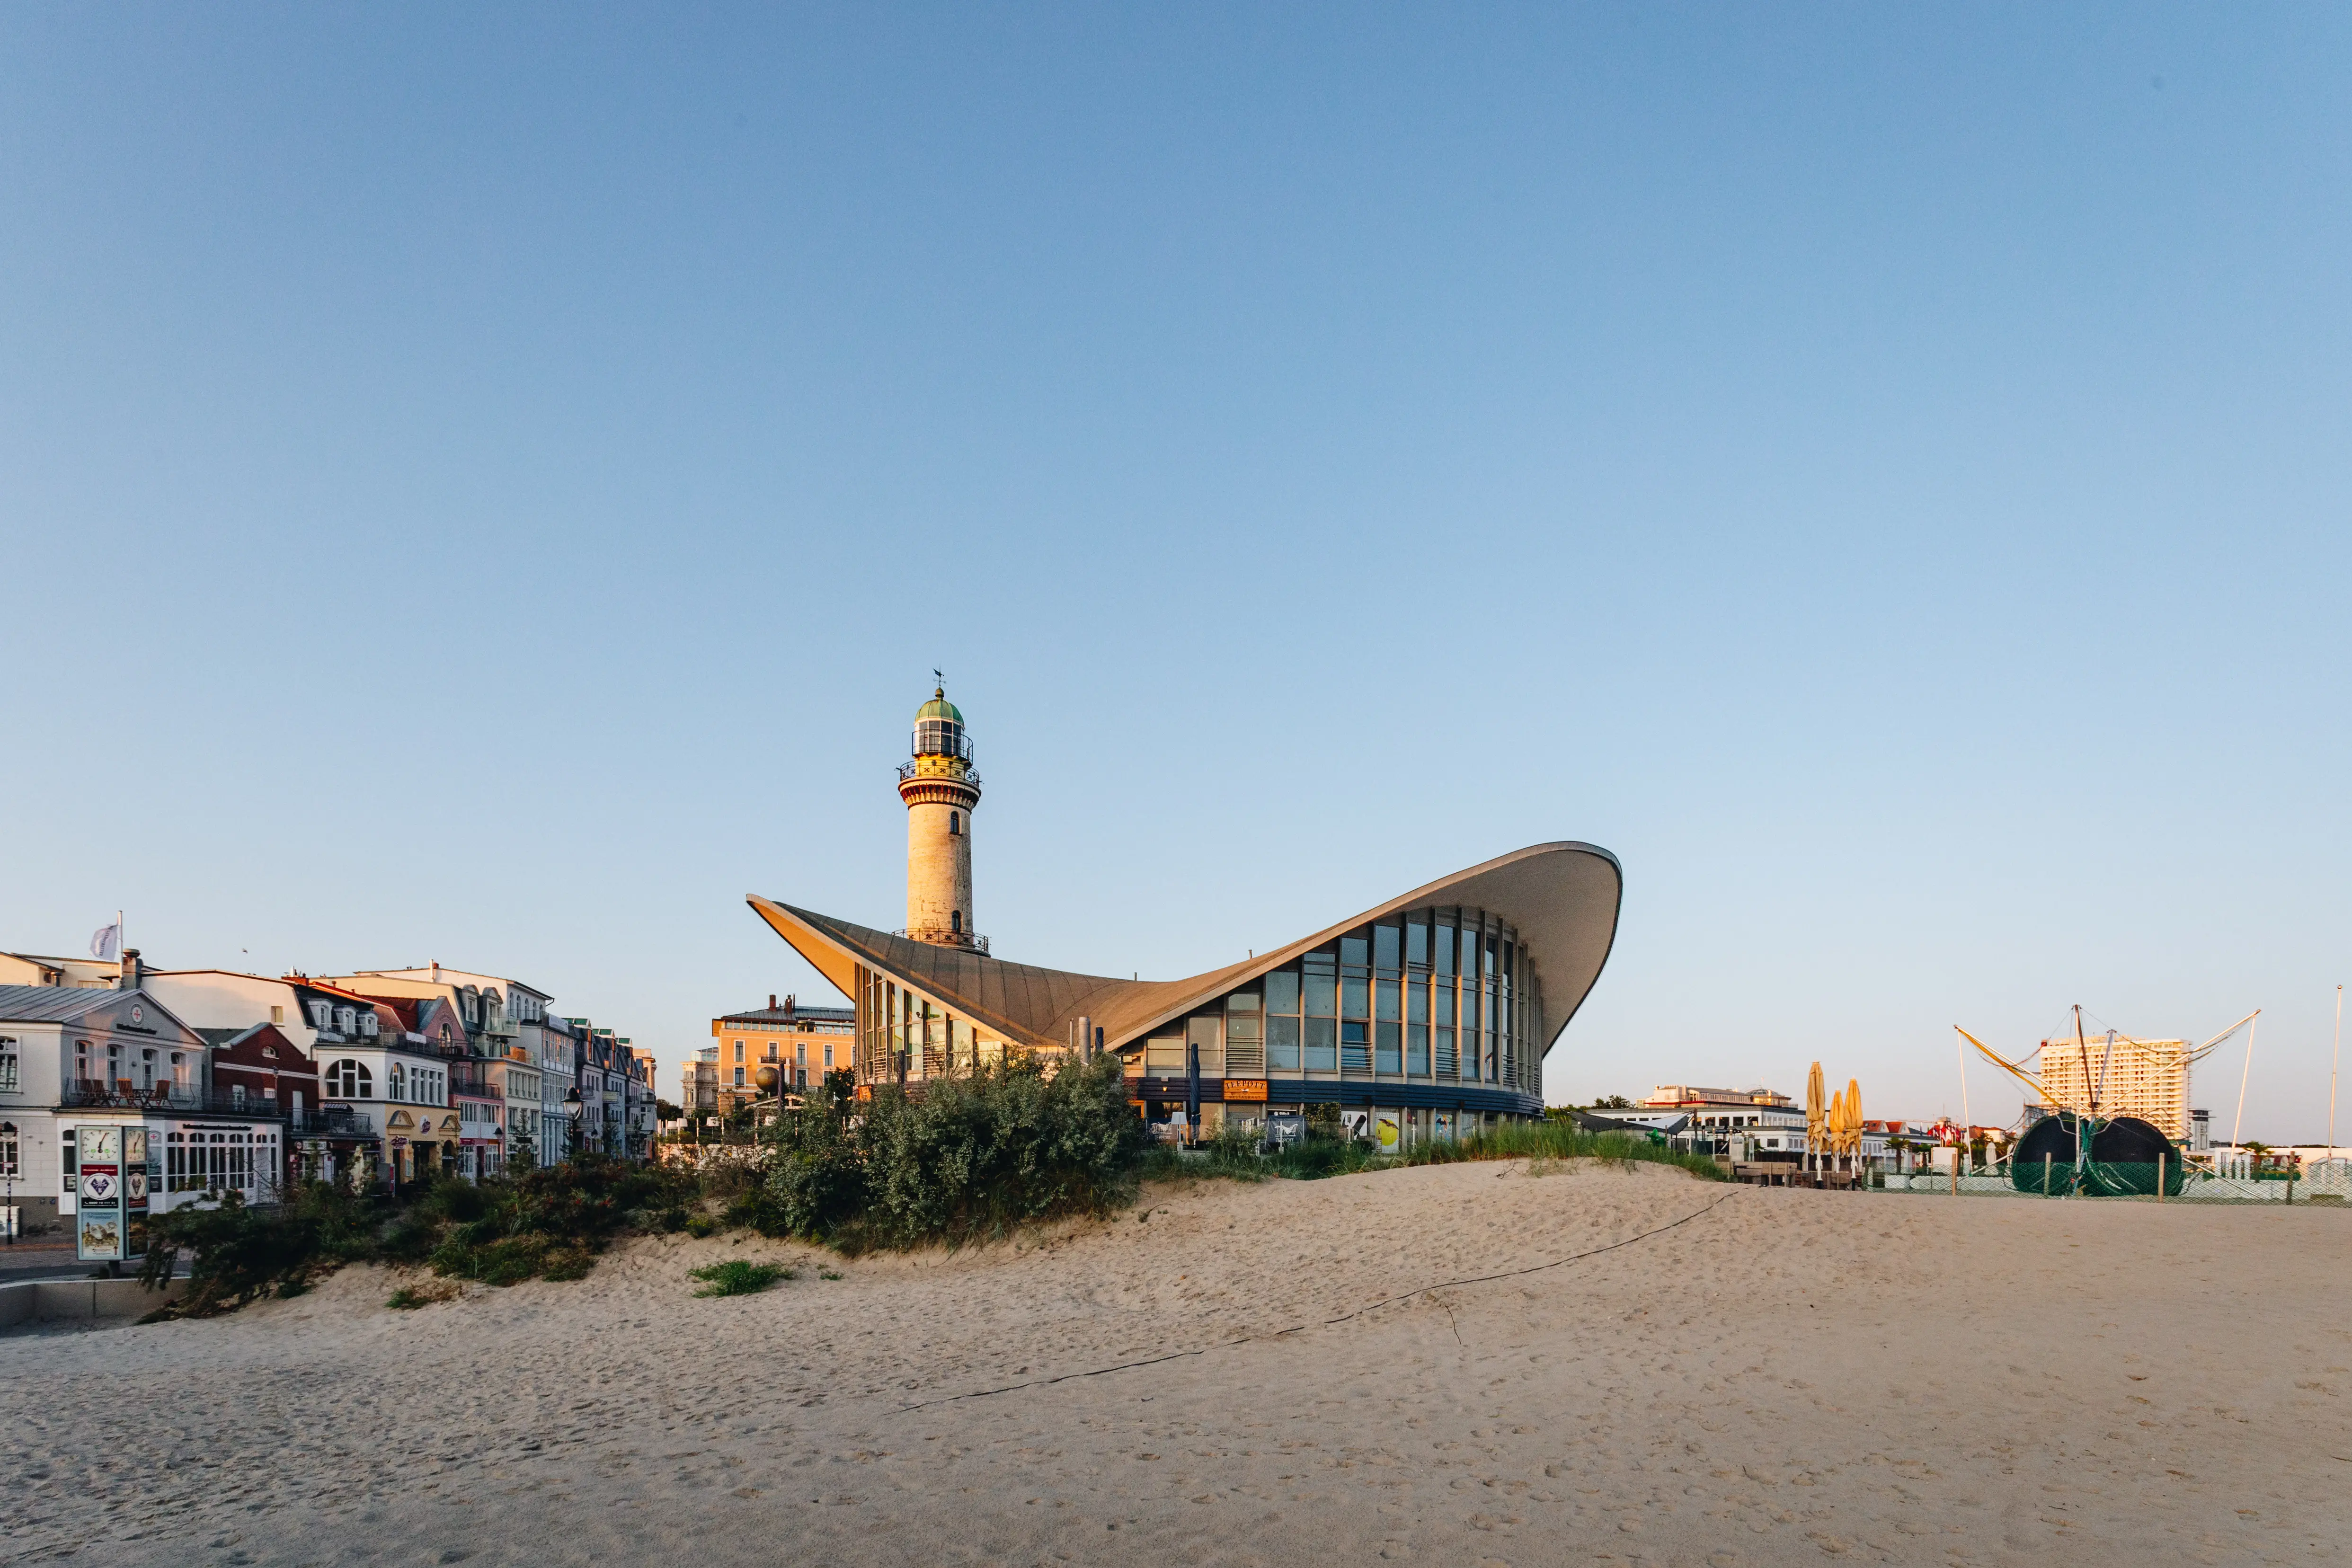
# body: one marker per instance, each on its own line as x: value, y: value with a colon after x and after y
x: 799, y: 1044
x: 2144, y: 1078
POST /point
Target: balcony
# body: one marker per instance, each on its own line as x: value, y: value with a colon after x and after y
x: 88, y: 1095
x: 331, y: 1122
x: 502, y: 1026
x: 940, y: 936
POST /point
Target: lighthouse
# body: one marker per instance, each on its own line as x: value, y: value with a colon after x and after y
x: 940, y: 788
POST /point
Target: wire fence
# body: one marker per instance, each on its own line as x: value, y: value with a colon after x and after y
x: 2326, y: 1182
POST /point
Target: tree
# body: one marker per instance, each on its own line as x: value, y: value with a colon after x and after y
x: 666, y: 1112
x: 1612, y: 1103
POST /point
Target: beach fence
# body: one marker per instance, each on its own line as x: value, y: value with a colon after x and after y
x: 2328, y: 1183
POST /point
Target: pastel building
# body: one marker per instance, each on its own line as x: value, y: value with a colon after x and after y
x: 1427, y: 1016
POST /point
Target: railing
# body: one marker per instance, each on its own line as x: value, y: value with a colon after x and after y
x: 906, y: 771
x: 86, y: 1095
x: 971, y: 941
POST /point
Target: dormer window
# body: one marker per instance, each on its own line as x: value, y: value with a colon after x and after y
x: 367, y: 1025
x: 270, y: 1051
x: 318, y: 1014
x: 345, y: 1017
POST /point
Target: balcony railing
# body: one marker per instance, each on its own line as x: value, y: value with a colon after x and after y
x: 88, y: 1095
x: 970, y: 941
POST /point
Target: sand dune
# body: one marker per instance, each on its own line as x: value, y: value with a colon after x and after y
x: 1784, y: 1377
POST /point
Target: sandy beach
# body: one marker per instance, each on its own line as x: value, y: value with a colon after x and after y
x: 1742, y: 1376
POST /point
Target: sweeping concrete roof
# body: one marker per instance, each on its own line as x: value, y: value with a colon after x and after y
x: 1562, y: 897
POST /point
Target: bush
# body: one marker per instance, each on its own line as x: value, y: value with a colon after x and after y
x: 549, y: 1223
x: 238, y: 1252
x: 737, y: 1276
x: 970, y: 1157
x: 546, y: 1224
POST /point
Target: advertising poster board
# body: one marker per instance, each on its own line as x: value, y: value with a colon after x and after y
x: 1355, y: 1124
x: 97, y: 1220
x: 139, y: 1154
x: 1388, y: 1131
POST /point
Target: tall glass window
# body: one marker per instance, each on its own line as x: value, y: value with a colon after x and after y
x: 1416, y: 943
x: 1441, y: 1002
x: 1244, y: 1037
x: 1281, y: 1022
x: 1416, y: 1027
x: 1388, y: 1054
x: 1321, y: 974
x: 1355, y: 1004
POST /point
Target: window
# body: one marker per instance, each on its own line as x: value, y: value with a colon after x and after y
x: 802, y: 1057
x: 278, y: 1015
x: 349, y: 1079
x: 738, y: 1078
x: 828, y: 1056
x: 395, y: 1083
x: 955, y: 920
x: 9, y: 1151
x: 7, y: 1066
x: 367, y: 1026
x: 738, y: 1053
x: 955, y: 824
x: 347, y: 1019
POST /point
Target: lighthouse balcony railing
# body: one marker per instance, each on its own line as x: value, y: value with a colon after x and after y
x: 970, y: 941
x: 908, y: 770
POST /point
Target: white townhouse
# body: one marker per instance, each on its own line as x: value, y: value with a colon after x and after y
x: 73, y: 1058
x: 504, y: 1022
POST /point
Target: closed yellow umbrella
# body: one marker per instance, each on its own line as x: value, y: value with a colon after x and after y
x: 1815, y: 1105
x: 1854, y: 1120
x: 1837, y: 1124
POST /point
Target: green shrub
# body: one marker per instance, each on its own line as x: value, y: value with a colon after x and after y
x: 238, y: 1252
x: 545, y: 1224
x: 739, y: 1277
x: 969, y: 1158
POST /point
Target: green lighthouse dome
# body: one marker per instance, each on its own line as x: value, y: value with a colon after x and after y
x: 940, y: 708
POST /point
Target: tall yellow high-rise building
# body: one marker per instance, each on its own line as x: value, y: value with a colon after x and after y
x: 940, y: 788
x: 2144, y: 1078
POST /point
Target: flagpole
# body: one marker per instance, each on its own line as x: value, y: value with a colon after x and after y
x: 2332, y: 1066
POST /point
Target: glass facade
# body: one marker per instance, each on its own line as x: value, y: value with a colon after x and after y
x: 1435, y: 996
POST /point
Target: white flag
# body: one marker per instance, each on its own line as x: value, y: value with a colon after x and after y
x: 105, y: 941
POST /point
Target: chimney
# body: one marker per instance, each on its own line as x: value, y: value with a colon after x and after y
x: 128, y: 975
x: 791, y: 1005
x: 771, y: 1002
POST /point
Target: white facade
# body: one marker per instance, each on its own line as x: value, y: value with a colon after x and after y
x: 75, y: 1056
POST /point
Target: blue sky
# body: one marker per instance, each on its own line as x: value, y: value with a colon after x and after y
x: 491, y: 485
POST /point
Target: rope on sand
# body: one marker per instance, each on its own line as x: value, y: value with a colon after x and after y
x: 1327, y: 1322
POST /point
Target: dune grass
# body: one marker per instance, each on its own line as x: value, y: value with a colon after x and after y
x: 1237, y: 1156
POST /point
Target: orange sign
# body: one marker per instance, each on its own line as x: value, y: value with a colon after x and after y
x: 1244, y: 1088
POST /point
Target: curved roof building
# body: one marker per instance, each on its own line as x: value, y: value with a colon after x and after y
x: 1435, y: 1006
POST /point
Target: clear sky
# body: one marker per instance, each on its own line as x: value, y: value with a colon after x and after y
x: 491, y: 483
